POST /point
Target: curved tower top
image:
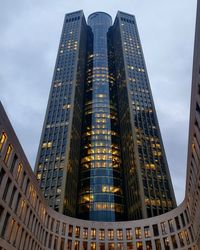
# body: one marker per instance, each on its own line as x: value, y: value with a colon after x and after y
x: 99, y: 18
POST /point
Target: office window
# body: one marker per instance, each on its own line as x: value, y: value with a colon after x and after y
x: 174, y: 242
x: 77, y: 232
x: 119, y: 234
x: 139, y: 245
x: 111, y: 246
x: 148, y: 245
x: 13, y: 163
x: 93, y: 233
x: 171, y: 225
x: 69, y: 245
x: 2, y: 173
x: 85, y: 233
x: 2, y: 140
x: 166, y: 243
x: 6, y: 189
x: 101, y: 234
x: 147, y: 232
x: 5, y: 224
x: 181, y: 239
x: 163, y: 228
x: 129, y: 234
x: 85, y: 245
x: 92, y: 246
x: 8, y: 153
x: 19, y: 171
x: 138, y: 233
x: 63, y: 228
x: 158, y: 244
x: 70, y: 232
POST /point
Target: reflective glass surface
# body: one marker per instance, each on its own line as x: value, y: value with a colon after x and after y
x: 101, y: 195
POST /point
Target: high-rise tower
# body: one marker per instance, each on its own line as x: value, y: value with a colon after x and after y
x: 148, y: 188
x: 101, y: 155
x: 57, y: 166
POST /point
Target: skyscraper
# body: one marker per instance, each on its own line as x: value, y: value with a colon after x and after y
x: 101, y: 155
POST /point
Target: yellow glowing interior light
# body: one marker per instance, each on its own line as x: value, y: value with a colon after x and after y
x: 66, y: 106
x: 39, y: 176
x: 87, y: 198
x: 2, y: 140
x: 150, y: 166
x: 47, y: 145
x: 19, y: 169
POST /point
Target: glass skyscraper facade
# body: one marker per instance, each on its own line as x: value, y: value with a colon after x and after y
x: 101, y: 155
x: 100, y: 195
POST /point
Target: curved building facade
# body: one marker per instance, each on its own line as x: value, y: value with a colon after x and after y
x: 28, y: 223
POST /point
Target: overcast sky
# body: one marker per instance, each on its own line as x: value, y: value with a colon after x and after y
x: 30, y: 33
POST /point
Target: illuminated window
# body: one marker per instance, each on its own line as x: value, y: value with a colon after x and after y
x: 150, y: 166
x: 101, y: 95
x: 22, y: 207
x: 8, y: 153
x: 119, y: 234
x: 39, y: 175
x: 187, y: 237
x: 148, y: 245
x: 87, y: 198
x: 120, y: 246
x: 111, y: 246
x: 93, y: 246
x: 11, y: 229
x: 93, y: 233
x: 181, y: 239
x: 101, y: 234
x: 85, y: 233
x: 67, y: 106
x: 138, y: 233
x: 19, y: 170
x: 77, y: 232
x: 47, y: 145
x: 110, y: 189
x: 110, y: 234
x: 147, y: 232
x: 2, y: 140
x: 76, y: 245
x: 139, y: 245
x: 129, y: 235
x: 166, y: 243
